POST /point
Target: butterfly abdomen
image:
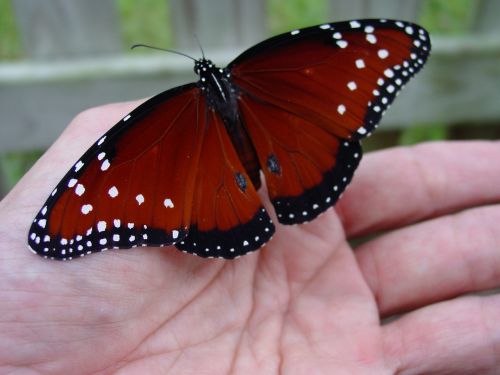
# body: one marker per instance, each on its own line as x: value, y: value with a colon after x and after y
x: 222, y: 97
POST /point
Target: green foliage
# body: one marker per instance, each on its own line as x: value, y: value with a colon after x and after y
x: 10, y: 46
x: 292, y: 14
x: 14, y: 165
x: 422, y: 133
x: 447, y: 17
x: 145, y: 22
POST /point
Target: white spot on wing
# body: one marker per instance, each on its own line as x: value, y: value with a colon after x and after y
x: 101, y: 141
x: 342, y: 43
x: 101, y: 226
x: 72, y: 182
x: 105, y: 165
x: 360, y: 63
x: 372, y: 39
x: 78, y: 166
x: 175, y: 234
x: 42, y: 223
x: 294, y: 32
x: 126, y: 118
x: 140, y: 199
x: 383, y: 53
x: 352, y: 85
x: 79, y: 190
x: 86, y: 208
x: 355, y: 24
x: 168, y: 203
x: 113, y: 192
x: 361, y: 130
x: 341, y: 109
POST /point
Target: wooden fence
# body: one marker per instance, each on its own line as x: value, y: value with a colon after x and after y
x: 74, y: 61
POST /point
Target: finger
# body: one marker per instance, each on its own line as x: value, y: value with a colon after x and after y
x: 434, y: 260
x: 408, y: 184
x: 461, y: 336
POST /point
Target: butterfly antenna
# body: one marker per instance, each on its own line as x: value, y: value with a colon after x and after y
x: 199, y: 45
x: 163, y: 49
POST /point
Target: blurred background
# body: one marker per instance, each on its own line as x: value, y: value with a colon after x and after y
x: 59, y: 57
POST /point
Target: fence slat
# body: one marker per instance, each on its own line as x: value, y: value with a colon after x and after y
x: 346, y: 9
x: 353, y: 9
x: 487, y: 16
x: 53, y: 29
x: 217, y: 23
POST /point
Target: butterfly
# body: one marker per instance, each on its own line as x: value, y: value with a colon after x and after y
x: 184, y: 167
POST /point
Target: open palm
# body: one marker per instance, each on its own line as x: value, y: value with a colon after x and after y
x: 305, y: 304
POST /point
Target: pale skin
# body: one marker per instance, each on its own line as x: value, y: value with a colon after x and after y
x: 307, y: 303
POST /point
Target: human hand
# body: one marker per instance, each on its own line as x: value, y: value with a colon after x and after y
x: 304, y: 304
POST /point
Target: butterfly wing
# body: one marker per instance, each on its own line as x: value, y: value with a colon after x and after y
x: 306, y: 167
x: 166, y: 174
x: 228, y: 218
x: 308, y: 96
x: 133, y: 187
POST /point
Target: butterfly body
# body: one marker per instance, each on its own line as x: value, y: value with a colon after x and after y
x: 222, y: 97
x: 184, y: 168
x: 220, y: 92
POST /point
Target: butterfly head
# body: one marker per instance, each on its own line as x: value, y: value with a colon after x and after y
x: 203, y: 66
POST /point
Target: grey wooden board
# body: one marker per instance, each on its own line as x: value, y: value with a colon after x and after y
x: 217, y: 23
x: 52, y: 29
x: 45, y: 109
x: 460, y: 83
x: 487, y: 12
x: 352, y: 9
